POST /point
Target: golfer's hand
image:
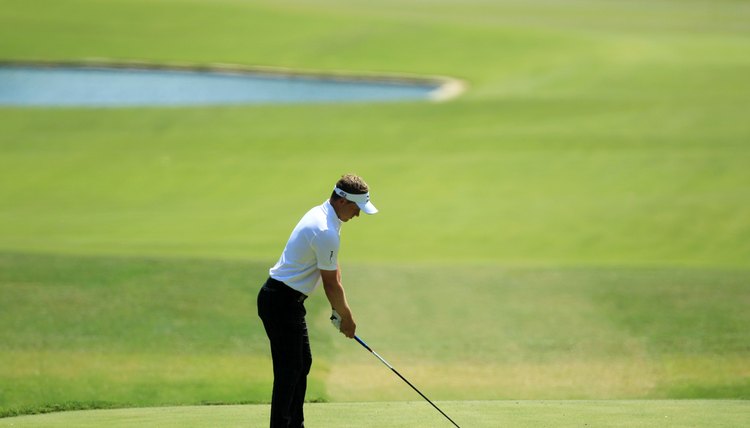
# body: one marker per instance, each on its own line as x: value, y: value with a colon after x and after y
x: 345, y: 325
x: 348, y: 327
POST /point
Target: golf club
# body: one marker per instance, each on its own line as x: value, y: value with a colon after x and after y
x: 336, y: 321
x: 362, y: 342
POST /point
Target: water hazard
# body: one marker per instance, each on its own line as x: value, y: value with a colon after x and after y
x: 123, y: 87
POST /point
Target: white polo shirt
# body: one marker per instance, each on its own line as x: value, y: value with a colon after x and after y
x: 313, y: 245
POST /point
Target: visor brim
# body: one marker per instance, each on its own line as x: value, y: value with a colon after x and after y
x: 367, y: 208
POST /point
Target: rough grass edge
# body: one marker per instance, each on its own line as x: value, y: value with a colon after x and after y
x: 70, y: 406
x: 60, y: 407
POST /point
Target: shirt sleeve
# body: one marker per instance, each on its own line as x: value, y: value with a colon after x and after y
x: 326, y: 248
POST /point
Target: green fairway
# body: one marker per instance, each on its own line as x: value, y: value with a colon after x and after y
x: 576, y: 226
x: 589, y: 134
x: 489, y: 414
x: 143, y: 332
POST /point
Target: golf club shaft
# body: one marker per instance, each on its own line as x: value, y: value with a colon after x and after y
x: 362, y: 342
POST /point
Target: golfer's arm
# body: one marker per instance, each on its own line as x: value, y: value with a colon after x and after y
x: 335, y: 292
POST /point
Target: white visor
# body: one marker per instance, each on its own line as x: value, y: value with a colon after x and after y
x: 362, y: 200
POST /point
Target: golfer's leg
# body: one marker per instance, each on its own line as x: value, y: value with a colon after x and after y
x: 279, y: 316
x: 298, y: 416
x: 286, y: 368
x: 286, y: 352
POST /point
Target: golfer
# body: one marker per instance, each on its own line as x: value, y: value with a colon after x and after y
x: 309, y: 258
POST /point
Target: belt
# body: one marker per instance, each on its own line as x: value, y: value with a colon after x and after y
x: 276, y: 285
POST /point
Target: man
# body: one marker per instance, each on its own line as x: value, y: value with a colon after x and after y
x: 310, y: 256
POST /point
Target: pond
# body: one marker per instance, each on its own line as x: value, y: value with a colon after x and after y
x: 124, y: 87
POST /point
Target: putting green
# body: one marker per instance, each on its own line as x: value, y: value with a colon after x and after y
x: 474, y: 414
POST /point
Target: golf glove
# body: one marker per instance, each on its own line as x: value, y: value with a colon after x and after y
x: 336, y: 319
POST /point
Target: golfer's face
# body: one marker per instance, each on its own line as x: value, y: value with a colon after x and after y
x: 349, y: 211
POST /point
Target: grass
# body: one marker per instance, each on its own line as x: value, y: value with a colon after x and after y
x: 574, y: 227
x: 629, y: 197
x: 576, y: 144
x: 149, y: 332
x: 130, y: 331
x: 640, y: 414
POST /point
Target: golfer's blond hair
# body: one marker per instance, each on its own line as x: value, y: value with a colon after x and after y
x: 351, y: 183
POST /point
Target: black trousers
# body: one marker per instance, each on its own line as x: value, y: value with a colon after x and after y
x: 283, y: 314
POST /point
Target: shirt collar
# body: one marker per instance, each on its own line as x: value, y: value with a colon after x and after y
x: 331, y: 214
